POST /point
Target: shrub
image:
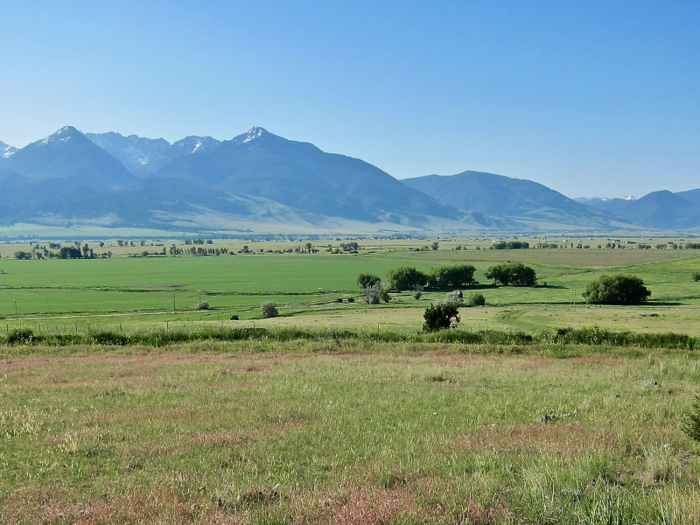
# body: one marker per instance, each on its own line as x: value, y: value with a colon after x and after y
x: 696, y: 276
x: 20, y: 335
x: 339, y: 300
x: 235, y: 317
x: 202, y: 305
x: 351, y: 299
x: 269, y: 309
x: 365, y: 280
x: 616, y: 289
x: 406, y: 278
x: 692, y: 423
x: 512, y: 274
x: 439, y: 316
x: 476, y: 299
x: 106, y: 337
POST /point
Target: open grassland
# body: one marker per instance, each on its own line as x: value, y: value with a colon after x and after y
x: 350, y: 432
x: 142, y: 293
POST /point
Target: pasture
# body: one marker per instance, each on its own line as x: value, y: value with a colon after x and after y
x: 344, y: 432
x: 138, y: 293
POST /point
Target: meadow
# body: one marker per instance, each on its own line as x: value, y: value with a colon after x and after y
x: 130, y: 293
x: 347, y: 432
x: 128, y: 405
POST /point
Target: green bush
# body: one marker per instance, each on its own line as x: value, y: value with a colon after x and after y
x: 696, y: 276
x: 439, y: 316
x: 476, y: 299
x: 109, y: 338
x: 20, y: 335
x: 202, y: 305
x: 616, y: 289
x: 692, y: 423
x: 269, y: 309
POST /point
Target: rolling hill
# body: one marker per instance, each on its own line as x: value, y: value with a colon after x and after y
x: 502, y: 196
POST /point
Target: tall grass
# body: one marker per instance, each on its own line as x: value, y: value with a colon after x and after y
x: 589, y: 336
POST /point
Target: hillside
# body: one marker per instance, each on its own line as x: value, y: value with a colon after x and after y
x: 70, y: 156
x: 502, y: 196
x: 658, y: 210
x: 300, y: 175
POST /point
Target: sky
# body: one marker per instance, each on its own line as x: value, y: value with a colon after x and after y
x: 591, y: 98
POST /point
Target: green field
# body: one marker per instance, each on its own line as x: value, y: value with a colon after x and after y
x: 69, y: 295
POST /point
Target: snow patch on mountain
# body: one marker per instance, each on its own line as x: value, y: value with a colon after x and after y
x: 254, y: 133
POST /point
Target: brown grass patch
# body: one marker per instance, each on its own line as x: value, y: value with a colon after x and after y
x: 559, y: 438
x: 369, y: 506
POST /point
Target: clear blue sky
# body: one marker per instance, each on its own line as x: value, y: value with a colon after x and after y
x: 588, y: 97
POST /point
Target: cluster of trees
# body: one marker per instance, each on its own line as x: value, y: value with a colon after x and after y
x: 616, y: 289
x: 512, y: 274
x: 197, y: 241
x: 74, y: 251
x: 197, y: 251
x: 409, y: 278
x: 511, y: 245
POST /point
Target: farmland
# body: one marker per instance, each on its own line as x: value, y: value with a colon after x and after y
x: 138, y: 293
x: 338, y: 412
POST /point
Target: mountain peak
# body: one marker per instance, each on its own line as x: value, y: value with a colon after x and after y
x: 254, y: 133
x: 6, y: 150
x: 66, y: 130
x: 62, y: 135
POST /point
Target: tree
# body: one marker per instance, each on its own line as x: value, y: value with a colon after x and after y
x: 457, y: 276
x: 269, y: 309
x: 616, y: 289
x: 435, y: 246
x: 70, y: 252
x: 406, y: 278
x: 366, y: 279
x: 22, y: 255
x: 439, y: 316
x: 375, y: 293
x: 512, y: 274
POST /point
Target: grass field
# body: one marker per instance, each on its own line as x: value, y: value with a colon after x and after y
x: 322, y: 432
x: 122, y: 292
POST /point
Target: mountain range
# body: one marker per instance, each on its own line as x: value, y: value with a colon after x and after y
x: 262, y: 182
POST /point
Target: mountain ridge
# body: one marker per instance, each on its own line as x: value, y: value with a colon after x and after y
x: 258, y: 177
x: 503, y: 196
